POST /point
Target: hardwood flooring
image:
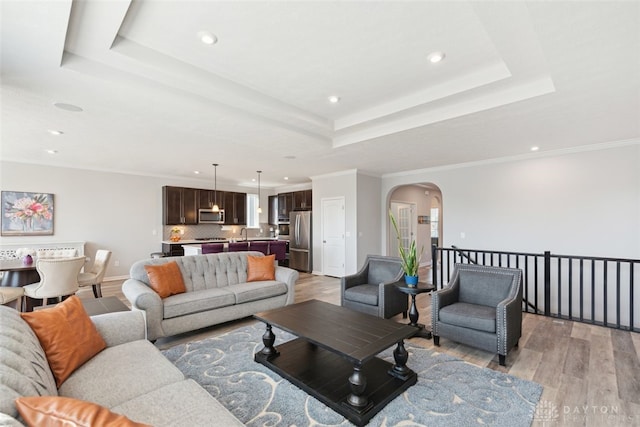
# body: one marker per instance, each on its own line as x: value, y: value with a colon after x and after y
x: 590, y: 374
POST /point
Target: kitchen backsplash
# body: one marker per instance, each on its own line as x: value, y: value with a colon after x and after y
x: 190, y: 232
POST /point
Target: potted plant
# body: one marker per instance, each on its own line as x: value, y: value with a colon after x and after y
x: 410, y: 258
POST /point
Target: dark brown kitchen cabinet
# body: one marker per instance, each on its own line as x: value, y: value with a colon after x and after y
x: 207, y: 198
x: 273, y: 210
x: 179, y: 205
x: 302, y: 200
x: 285, y: 205
x: 235, y: 208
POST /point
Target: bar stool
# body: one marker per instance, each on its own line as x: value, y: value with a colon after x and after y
x: 212, y: 248
x: 260, y: 247
x: 238, y: 246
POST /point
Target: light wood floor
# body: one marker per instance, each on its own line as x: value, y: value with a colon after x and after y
x: 590, y: 374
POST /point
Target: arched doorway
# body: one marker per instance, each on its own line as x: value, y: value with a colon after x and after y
x: 421, y: 205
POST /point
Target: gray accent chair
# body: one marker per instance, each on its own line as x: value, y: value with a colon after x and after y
x: 372, y: 289
x: 481, y: 307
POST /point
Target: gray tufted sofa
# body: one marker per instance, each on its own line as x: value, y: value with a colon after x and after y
x: 129, y: 377
x: 217, y: 291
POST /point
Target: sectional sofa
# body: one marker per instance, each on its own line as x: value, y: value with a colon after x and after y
x: 129, y: 377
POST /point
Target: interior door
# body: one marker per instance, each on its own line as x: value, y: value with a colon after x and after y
x: 405, y: 216
x: 333, y: 227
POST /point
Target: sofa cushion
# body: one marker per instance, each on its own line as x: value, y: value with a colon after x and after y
x: 473, y: 316
x: 261, y: 268
x: 194, y: 302
x: 165, y: 279
x: 59, y: 411
x: 184, y: 404
x: 120, y: 373
x: 67, y: 334
x: 246, y: 292
x: 363, y: 294
x: 23, y: 364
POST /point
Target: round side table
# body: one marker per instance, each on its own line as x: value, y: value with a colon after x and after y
x: 413, y: 310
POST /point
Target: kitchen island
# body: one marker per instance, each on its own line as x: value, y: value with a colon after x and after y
x: 195, y: 248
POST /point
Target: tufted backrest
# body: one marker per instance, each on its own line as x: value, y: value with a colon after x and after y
x: 56, y: 253
x: 24, y: 370
x: 486, y: 285
x: 202, y: 271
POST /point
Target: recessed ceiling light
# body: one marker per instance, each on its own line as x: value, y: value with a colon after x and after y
x: 55, y: 132
x: 286, y: 178
x: 67, y: 107
x: 535, y: 148
x: 334, y: 99
x: 434, y: 57
x: 196, y: 172
x: 52, y: 151
x: 207, y: 38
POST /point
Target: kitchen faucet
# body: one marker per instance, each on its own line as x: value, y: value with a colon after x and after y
x: 245, y: 233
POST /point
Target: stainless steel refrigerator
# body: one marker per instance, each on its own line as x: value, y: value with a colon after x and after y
x: 300, y: 240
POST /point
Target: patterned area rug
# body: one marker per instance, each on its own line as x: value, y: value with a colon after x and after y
x: 449, y: 392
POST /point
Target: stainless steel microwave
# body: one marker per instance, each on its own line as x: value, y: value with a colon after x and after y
x: 207, y: 216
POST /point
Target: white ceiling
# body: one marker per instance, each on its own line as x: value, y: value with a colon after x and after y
x: 157, y: 101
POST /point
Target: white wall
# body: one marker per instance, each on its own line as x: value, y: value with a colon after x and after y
x: 368, y: 222
x: 574, y: 203
x: 107, y: 210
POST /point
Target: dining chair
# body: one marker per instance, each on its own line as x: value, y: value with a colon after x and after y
x: 212, y: 248
x: 94, y: 276
x: 238, y: 246
x: 56, y: 253
x: 11, y: 296
x: 58, y: 278
x: 260, y: 247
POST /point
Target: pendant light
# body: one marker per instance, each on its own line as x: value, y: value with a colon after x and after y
x: 215, y: 207
x: 259, y: 208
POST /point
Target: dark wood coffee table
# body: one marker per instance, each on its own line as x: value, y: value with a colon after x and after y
x: 334, y: 357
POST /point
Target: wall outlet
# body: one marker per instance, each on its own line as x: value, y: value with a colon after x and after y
x: 116, y: 263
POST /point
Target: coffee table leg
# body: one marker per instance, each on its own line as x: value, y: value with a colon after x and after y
x: 400, y: 369
x: 268, y: 339
x: 358, y: 383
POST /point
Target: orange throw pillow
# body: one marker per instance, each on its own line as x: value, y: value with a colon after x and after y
x: 261, y: 268
x: 166, y: 279
x: 56, y: 411
x: 67, y: 335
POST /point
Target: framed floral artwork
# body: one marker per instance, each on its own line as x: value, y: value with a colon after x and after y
x: 26, y: 214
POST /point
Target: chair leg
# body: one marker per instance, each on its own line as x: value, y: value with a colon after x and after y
x: 404, y: 314
x: 97, y: 290
x: 436, y: 340
x: 503, y: 360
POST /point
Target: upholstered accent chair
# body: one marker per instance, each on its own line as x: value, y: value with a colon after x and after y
x: 481, y: 307
x: 58, y: 278
x: 372, y: 290
x: 95, y: 275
